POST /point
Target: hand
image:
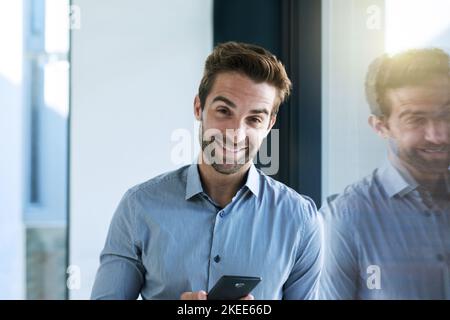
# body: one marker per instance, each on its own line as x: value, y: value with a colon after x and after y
x: 199, y: 295
x: 202, y: 295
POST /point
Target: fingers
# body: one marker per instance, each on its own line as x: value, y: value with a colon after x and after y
x: 199, y: 295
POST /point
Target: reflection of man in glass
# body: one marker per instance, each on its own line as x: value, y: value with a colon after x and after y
x: 388, y: 235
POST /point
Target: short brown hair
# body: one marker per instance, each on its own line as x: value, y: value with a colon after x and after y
x: 412, y: 67
x: 253, y: 61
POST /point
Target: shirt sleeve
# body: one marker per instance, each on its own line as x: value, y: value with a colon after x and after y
x: 340, y: 274
x: 302, y: 283
x: 121, y: 273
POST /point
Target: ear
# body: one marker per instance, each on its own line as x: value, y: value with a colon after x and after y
x: 197, y: 108
x: 380, y: 126
x: 273, y: 119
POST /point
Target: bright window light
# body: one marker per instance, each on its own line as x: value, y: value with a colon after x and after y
x: 56, y: 87
x: 56, y: 25
x: 11, y: 41
x: 416, y: 23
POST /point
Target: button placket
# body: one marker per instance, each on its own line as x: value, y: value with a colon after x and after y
x: 215, y: 253
x: 222, y: 213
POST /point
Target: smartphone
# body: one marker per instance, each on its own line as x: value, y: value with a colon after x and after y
x: 233, y: 287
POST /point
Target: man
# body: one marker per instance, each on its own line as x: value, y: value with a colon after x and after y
x: 388, y: 235
x: 175, y: 235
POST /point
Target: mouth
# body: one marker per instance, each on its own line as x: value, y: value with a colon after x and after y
x: 230, y: 149
x: 442, y: 151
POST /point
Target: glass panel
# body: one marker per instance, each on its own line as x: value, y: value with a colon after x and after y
x: 351, y: 150
x: 387, y: 236
x: 34, y: 80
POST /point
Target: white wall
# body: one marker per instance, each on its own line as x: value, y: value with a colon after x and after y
x: 12, y: 273
x: 136, y: 66
x: 352, y: 38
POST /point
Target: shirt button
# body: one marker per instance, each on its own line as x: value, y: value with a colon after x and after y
x: 221, y: 214
x: 440, y: 257
x: 217, y: 259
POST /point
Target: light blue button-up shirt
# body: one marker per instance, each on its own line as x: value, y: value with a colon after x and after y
x: 167, y: 237
x: 385, y: 238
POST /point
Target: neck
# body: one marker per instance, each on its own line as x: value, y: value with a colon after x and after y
x: 222, y: 187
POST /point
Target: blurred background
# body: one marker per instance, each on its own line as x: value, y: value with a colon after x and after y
x: 92, y: 92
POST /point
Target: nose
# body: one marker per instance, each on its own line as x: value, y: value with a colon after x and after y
x: 438, y: 132
x: 237, y: 134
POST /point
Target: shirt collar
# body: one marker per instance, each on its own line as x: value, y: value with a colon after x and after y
x: 252, y: 182
x: 447, y: 181
x: 397, y: 180
x: 194, y: 184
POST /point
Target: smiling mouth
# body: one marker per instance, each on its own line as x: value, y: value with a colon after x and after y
x: 231, y: 150
x: 437, y: 151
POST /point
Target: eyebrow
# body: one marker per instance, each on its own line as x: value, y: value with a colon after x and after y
x: 411, y: 113
x: 233, y: 105
x: 421, y: 113
x: 259, y: 111
x: 225, y: 100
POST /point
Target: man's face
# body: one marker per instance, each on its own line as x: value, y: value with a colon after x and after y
x: 235, y: 119
x: 419, y: 125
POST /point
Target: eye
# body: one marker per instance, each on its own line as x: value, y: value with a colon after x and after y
x: 255, y: 120
x: 223, y: 111
x: 415, y: 120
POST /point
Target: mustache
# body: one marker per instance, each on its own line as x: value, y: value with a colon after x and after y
x: 442, y: 147
x: 227, y: 141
